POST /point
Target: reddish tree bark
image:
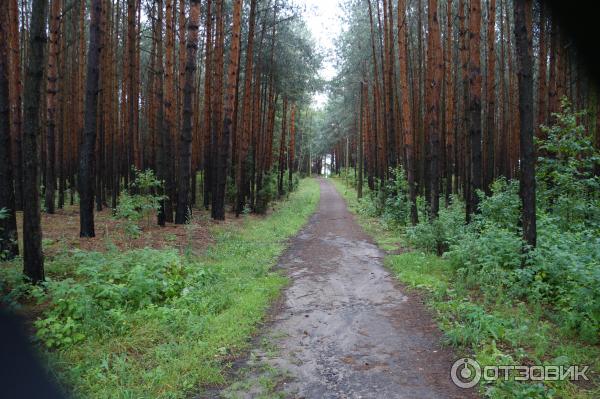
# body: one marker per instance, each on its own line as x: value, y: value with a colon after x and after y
x: 8, y: 224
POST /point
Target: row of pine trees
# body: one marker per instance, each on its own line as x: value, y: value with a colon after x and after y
x: 91, y: 91
x: 455, y: 91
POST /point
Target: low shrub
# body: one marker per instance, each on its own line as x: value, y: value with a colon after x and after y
x: 267, y: 193
x: 139, y: 204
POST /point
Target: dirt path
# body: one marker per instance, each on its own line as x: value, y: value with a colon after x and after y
x: 345, y: 328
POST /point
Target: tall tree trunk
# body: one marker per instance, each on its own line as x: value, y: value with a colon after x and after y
x: 379, y: 131
x: 15, y: 98
x: 282, y: 147
x: 8, y: 224
x: 33, y: 260
x: 219, y: 160
x: 407, y: 116
x: 552, y: 79
x: 247, y: 115
x: 169, y: 111
x: 229, y: 111
x: 433, y: 98
x: 184, y: 205
x: 182, y: 60
x: 490, y: 127
x: 522, y: 13
x: 208, y: 130
x: 132, y: 94
x: 361, y: 134
x: 87, y: 150
x: 163, y: 140
x: 449, y: 103
x: 463, y: 125
x: 292, y: 147
x: 542, y: 64
x: 52, y: 89
x: 474, y: 106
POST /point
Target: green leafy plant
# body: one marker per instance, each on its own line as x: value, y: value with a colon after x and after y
x: 141, y: 204
x: 568, y: 187
x: 267, y: 193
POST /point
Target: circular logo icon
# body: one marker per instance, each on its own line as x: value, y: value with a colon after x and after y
x: 465, y: 373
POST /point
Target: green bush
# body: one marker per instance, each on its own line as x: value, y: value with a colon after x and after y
x: 367, y: 205
x: 567, y: 185
x: 396, y: 204
x: 230, y: 191
x: 295, y: 182
x: 437, y: 235
x: 390, y: 202
x: 563, y: 272
x: 567, y: 276
x: 140, y: 205
x: 3, y: 215
x: 104, y: 287
x: 267, y: 193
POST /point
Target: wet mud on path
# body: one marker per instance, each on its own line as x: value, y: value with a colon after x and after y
x: 345, y: 328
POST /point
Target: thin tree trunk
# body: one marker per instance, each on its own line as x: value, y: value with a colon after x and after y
x: 292, y: 147
x: 490, y: 131
x: 474, y: 107
x: 52, y: 90
x: 433, y: 98
x: 449, y: 103
x: 208, y: 130
x: 163, y: 139
x: 184, y: 205
x: 407, y: 116
x: 87, y: 150
x: 15, y: 98
x: 219, y: 160
x: 522, y: 13
x: 361, y: 133
x: 33, y: 260
x: 245, y: 132
x: 8, y: 224
x: 229, y: 111
x: 542, y: 64
x: 463, y: 125
x: 282, y: 147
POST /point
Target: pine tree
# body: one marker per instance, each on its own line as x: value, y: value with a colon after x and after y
x: 474, y: 111
x: 87, y: 150
x: 184, y: 205
x: 8, y: 223
x: 33, y: 259
x: 522, y: 14
x: 52, y: 90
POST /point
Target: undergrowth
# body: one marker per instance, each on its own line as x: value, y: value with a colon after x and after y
x: 152, y: 323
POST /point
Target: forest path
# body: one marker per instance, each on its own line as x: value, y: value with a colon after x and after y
x: 345, y: 328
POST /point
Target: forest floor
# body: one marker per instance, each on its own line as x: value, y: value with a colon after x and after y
x: 158, y: 316
x: 61, y: 232
x: 345, y: 327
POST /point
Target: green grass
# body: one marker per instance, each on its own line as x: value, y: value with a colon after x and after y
x: 175, y: 335
x: 503, y: 332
